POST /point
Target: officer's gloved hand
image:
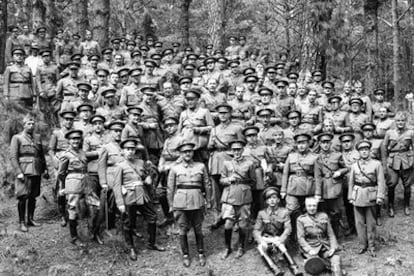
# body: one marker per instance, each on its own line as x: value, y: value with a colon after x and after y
x: 380, y: 201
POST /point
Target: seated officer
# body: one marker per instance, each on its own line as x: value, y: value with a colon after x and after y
x: 272, y: 229
x: 317, y: 240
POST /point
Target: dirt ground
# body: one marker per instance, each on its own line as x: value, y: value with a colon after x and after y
x: 46, y: 250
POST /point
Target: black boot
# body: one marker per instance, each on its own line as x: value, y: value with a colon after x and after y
x: 184, y: 250
x: 152, y: 232
x: 62, y: 210
x: 391, y: 196
x: 242, y: 242
x: 292, y: 264
x: 31, y: 208
x: 378, y: 215
x: 74, y: 233
x: 227, y: 241
x: 200, y: 248
x: 21, y: 208
x: 407, y: 196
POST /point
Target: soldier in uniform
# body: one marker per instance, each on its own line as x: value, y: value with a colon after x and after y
x: 83, y: 122
x: 131, y: 94
x: 234, y: 78
x: 148, y: 78
x: 316, y: 237
x: 93, y: 144
x: 366, y: 106
x: 346, y: 96
x: 380, y: 102
x: 267, y: 130
x: 356, y: 118
x: 18, y: 86
x: 28, y: 161
x: 238, y: 177
x: 285, y: 103
x: 366, y: 189
x: 294, y: 127
x: 171, y: 105
x: 270, y: 78
x: 67, y: 87
x: 12, y: 43
x: 250, y: 93
x: 130, y: 187
x: 272, y: 229
x: 47, y: 76
x: 329, y: 171
x: 111, y: 111
x: 220, y: 136
x: 188, y: 188
x: 383, y: 123
x: 339, y: 117
x: 211, y: 97
x: 311, y: 113
x: 133, y: 127
x: 399, y: 144
x: 242, y: 108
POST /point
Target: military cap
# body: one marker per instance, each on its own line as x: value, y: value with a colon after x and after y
x: 34, y: 45
x: 234, y: 61
x: 136, y: 53
x: 316, y: 72
x: 233, y: 37
x: 280, y: 65
x: 223, y: 108
x: 242, y: 37
x: 129, y: 143
x: 107, y: 51
x: 84, y: 86
x: 76, y: 35
x: 144, y: 48
x: 185, y: 79
x: 368, y: 126
x: 45, y: 52
x: 265, y: 91
x: 201, y: 68
x: 131, y: 42
x: 170, y: 120
x: 18, y: 51
x: 334, y: 97
x: 314, y: 265
x: 148, y: 90
x: 135, y: 72
x: 249, y: 71
x: 188, y: 49
x: 97, y: 118
x: 250, y: 130
x: 28, y: 118
x: 42, y: 28
x: 67, y: 114
x: 176, y: 44
x: 75, y: 133
x: 158, y: 44
x: 251, y: 78
x: 222, y: 60
x: 328, y: 84
x: 84, y: 107
x: 237, y: 144
x: 150, y: 62
x: 59, y: 31
x: 192, y: 93
x: 270, y: 69
x: 102, y: 70
x: 108, y: 92
x: 270, y: 191
x: 185, y: 146
x: 209, y: 60
x: 94, y: 57
x: 76, y: 57
x: 325, y: 136
x: 346, y: 137
x: 356, y: 100
x: 140, y: 37
x: 264, y: 112
x: 135, y: 110
x: 293, y: 113
x: 116, y: 125
x: 156, y: 57
x: 73, y: 65
x: 302, y: 137
x: 293, y: 75
x: 123, y: 72
x: 167, y: 52
x: 14, y: 28
x: 219, y: 52
x: 379, y: 91
x: 209, y: 46
x: 284, y: 82
x: 202, y: 57
x: 363, y: 145
x: 189, y: 66
x: 192, y: 56
x: 115, y: 40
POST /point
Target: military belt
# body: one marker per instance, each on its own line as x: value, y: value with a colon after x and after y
x: 22, y: 82
x: 298, y: 173
x: 77, y: 171
x: 399, y: 151
x: 189, y: 187
x: 243, y: 182
x: 364, y: 185
x: 68, y: 94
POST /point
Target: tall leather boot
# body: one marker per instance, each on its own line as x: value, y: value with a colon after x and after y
x: 227, y: 241
x: 242, y: 242
x: 169, y: 218
x: 184, y: 250
x: 407, y: 197
x: 152, y: 232
x: 292, y: 264
x: 129, y: 240
x: 31, y: 208
x: 21, y: 208
x: 200, y: 248
x: 74, y: 233
x: 378, y: 215
x: 62, y: 210
x: 391, y: 196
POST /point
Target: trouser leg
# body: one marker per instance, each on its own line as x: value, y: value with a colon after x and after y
x: 129, y: 220
x: 31, y: 208
x: 370, y: 225
x: 21, y: 208
x: 184, y: 244
x: 361, y: 227
x: 197, y: 221
x: 336, y: 265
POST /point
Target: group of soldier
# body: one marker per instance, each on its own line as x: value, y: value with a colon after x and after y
x: 277, y: 156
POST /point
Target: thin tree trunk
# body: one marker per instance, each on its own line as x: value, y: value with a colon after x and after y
x: 184, y: 22
x: 52, y: 17
x: 3, y: 33
x: 396, y: 54
x: 38, y: 13
x: 101, y: 13
x: 216, y: 23
x: 80, y: 12
x: 371, y: 43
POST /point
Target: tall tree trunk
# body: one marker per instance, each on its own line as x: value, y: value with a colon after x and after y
x: 216, y: 23
x: 371, y: 43
x: 101, y: 13
x: 396, y: 54
x: 53, y: 20
x: 3, y: 33
x: 80, y: 13
x: 38, y: 13
x: 185, y: 22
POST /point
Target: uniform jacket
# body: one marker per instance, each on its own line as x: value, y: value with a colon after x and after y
x: 18, y: 82
x: 93, y: 143
x: 72, y: 171
x: 399, y: 148
x: 110, y: 156
x: 279, y: 218
x: 199, y: 118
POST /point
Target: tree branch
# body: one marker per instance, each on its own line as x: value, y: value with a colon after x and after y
x: 386, y: 22
x: 405, y: 12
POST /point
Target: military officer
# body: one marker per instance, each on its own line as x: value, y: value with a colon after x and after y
x: 398, y: 144
x: 170, y: 103
x: 133, y: 127
x: 188, y: 188
x: 383, y: 123
x: 317, y: 238
x: 356, y: 118
x: 366, y: 189
x: 366, y: 106
x: 131, y: 94
x: 250, y: 93
x: 294, y: 127
x: 285, y: 102
x: 329, y: 171
x: 311, y: 113
x: 130, y: 187
x: 18, y: 86
x: 238, y: 178
x: 339, y: 117
x: 379, y: 102
x: 83, y: 123
x: 67, y: 87
x: 242, y: 108
x: 148, y: 78
x: 28, y: 161
x: 267, y: 131
x: 111, y: 111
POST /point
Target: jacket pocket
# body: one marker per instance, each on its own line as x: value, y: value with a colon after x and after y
x: 74, y: 184
x: 372, y: 194
x: 180, y: 199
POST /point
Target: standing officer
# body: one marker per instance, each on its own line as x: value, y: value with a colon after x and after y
x: 67, y: 87
x: 131, y: 94
x: 366, y: 189
x: 356, y: 118
x: 329, y: 172
x: 18, y: 86
x: 188, y: 188
x: 130, y: 188
x: 399, y: 143
x: 28, y: 161
x: 238, y: 178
